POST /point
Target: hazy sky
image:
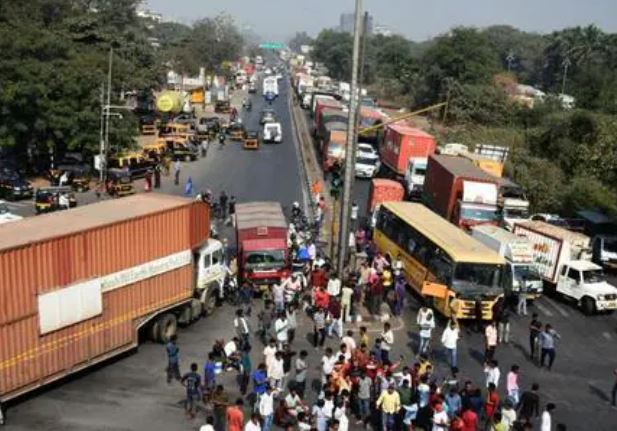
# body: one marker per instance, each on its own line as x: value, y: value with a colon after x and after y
x: 416, y: 19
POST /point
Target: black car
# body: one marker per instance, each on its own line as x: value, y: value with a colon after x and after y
x: 13, y: 187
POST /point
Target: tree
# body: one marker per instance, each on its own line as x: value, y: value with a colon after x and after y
x: 334, y: 49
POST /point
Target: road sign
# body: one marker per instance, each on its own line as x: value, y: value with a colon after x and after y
x: 271, y: 45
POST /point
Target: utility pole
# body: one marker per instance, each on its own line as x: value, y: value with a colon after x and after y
x: 350, y: 152
x: 566, y: 64
x: 106, y: 110
x: 102, y: 137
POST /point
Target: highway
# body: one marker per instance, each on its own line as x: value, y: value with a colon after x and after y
x: 130, y: 393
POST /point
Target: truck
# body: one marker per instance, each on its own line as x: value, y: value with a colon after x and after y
x: 321, y: 106
x: 328, y: 116
x: 333, y: 147
x: 518, y: 252
x: 261, y: 235
x: 460, y: 192
x: 401, y: 143
x: 272, y: 133
x: 88, y: 284
x: 270, y: 87
x: 370, y: 117
x: 563, y: 260
x: 414, y: 177
x: 512, y: 202
x: 382, y: 190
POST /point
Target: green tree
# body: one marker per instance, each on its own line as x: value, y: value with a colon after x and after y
x: 334, y: 49
x: 299, y: 39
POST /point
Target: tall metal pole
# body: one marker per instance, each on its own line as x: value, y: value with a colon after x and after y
x: 350, y: 152
x: 107, y: 108
x: 102, y: 137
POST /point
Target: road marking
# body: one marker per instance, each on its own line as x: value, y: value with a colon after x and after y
x: 543, y: 309
x: 561, y: 311
x: 607, y: 335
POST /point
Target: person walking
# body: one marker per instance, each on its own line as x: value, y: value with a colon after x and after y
x: 188, y: 187
x: 548, y: 338
x: 173, y: 359
x: 389, y: 403
x: 292, y: 322
x: 346, y: 302
x: 266, y: 408
x: 235, y: 416
x: 490, y: 341
x: 177, y: 172
x: 521, y: 303
x: 547, y: 418
x: 503, y: 323
x: 243, y: 330
x: 301, y: 371
x: 529, y: 407
x: 399, y: 294
x: 319, y: 328
x: 192, y: 383
x: 449, y: 339
x: 512, y: 384
x: 281, y: 327
x: 387, y: 341
x: 427, y: 324
x: 254, y: 423
x: 157, y: 176
x: 535, y: 327
x: 246, y: 367
x: 491, y: 404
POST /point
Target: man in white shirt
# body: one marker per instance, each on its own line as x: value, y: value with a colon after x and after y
x: 266, y: 408
x: 253, y: 424
x: 280, y: 328
x: 344, y: 352
x: 269, y: 352
x: 346, y: 295
x: 334, y: 285
x: 349, y: 341
x: 387, y: 340
x: 276, y: 371
x: 209, y: 425
x: 327, y: 364
x: 546, y: 424
x: 492, y: 373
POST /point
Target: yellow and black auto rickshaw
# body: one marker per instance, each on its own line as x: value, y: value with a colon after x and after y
x: 251, y: 141
x: 155, y: 151
x: 119, y: 183
x: 50, y: 199
x: 236, y: 132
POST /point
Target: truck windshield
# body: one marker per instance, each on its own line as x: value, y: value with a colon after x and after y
x: 419, y: 170
x: 366, y: 160
x: 524, y: 272
x: 517, y: 213
x: 476, y: 277
x: 593, y: 276
x: 268, y: 259
x: 478, y: 213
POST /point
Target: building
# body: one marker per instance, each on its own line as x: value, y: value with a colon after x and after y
x: 347, y: 23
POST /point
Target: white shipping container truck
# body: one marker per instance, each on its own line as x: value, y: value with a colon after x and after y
x: 563, y: 259
x: 518, y: 253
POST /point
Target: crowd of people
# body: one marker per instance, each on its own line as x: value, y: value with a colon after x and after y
x: 358, y: 382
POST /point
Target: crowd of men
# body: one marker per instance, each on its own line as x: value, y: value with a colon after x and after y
x: 358, y: 382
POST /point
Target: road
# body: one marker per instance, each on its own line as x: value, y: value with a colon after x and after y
x: 130, y: 393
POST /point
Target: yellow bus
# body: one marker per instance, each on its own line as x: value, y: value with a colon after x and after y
x: 439, y: 260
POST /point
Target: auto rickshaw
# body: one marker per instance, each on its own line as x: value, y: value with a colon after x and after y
x: 182, y: 149
x: 155, y: 151
x: 176, y: 129
x: 119, y: 183
x: 50, y: 199
x: 236, y: 131
x: 251, y: 141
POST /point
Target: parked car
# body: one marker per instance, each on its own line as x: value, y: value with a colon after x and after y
x: 13, y: 186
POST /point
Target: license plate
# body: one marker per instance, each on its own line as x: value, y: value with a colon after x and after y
x: 611, y: 304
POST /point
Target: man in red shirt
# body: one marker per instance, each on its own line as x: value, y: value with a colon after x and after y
x: 319, y: 278
x: 491, y: 404
x: 235, y: 416
x: 376, y: 292
x: 470, y: 419
x: 321, y: 298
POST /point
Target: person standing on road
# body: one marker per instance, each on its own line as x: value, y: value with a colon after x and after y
x: 319, y: 328
x: 449, y: 339
x: 490, y: 341
x: 301, y: 370
x: 535, y: 327
x: 278, y: 295
x: 157, y: 175
x: 231, y: 208
x: 547, y: 345
x: 346, y: 302
x: 254, y: 423
x: 336, y: 318
x: 266, y: 316
x: 427, y: 324
x: 235, y: 416
x: 292, y: 322
x: 387, y: 341
x: 501, y: 315
x: 491, y: 404
x: 177, y: 172
x: 334, y: 285
x: 243, y: 330
x: 512, y: 384
x: 547, y: 419
x: 192, y: 382
x: 173, y: 359
x: 223, y: 199
x: 281, y: 327
x: 521, y: 305
x: 529, y: 407
x: 389, y: 403
x: 266, y: 408
x: 492, y: 373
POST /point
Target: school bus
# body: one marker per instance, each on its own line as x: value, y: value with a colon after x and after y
x: 439, y: 261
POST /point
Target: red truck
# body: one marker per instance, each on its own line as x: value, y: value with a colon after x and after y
x: 403, y: 143
x: 333, y: 147
x: 320, y: 106
x: 79, y: 287
x: 261, y: 235
x: 460, y: 192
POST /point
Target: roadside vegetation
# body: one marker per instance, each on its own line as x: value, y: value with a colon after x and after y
x: 565, y: 158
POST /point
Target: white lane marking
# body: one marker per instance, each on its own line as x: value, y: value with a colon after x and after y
x: 607, y: 335
x: 561, y: 311
x: 543, y: 309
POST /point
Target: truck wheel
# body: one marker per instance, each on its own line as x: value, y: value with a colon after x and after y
x: 168, y: 326
x: 196, y: 309
x: 154, y: 330
x: 589, y: 306
x: 210, y: 304
x: 186, y: 315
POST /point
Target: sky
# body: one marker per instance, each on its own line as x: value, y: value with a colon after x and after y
x: 418, y: 20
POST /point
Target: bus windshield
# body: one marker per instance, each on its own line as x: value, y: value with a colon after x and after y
x: 474, y: 277
x: 478, y: 213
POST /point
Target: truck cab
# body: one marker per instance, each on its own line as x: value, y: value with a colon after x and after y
x: 414, y: 177
x: 210, y: 271
x: 477, y: 204
x: 584, y: 282
x: 273, y: 133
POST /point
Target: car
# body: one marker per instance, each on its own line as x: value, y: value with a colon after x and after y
x: 367, y: 161
x: 6, y: 215
x: 13, y: 186
x: 185, y: 118
x: 267, y: 116
x: 208, y: 125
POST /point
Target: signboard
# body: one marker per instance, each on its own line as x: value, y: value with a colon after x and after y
x: 271, y: 45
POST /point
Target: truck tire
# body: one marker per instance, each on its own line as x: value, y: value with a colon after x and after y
x: 153, y: 331
x: 186, y: 315
x: 197, y: 309
x: 588, y: 305
x: 168, y: 326
x: 210, y: 303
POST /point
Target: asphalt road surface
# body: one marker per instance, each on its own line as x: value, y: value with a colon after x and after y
x: 130, y: 393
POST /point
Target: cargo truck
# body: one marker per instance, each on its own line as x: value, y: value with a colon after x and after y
x: 329, y: 116
x: 460, y: 192
x: 402, y: 143
x: 512, y: 202
x: 563, y: 260
x: 79, y: 287
x: 520, y: 269
x: 333, y: 147
x: 321, y: 106
x: 261, y: 235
